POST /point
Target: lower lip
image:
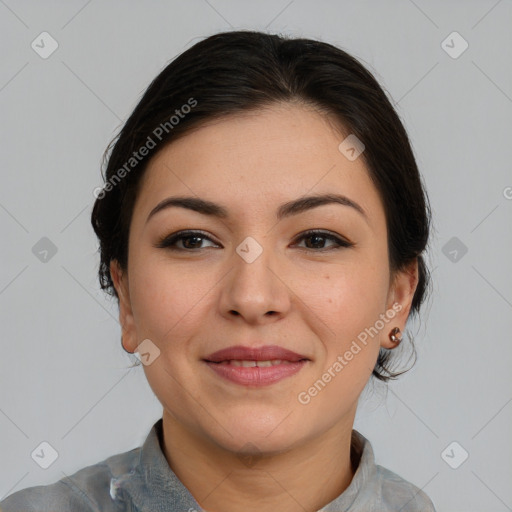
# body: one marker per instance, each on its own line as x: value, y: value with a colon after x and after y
x: 254, y: 375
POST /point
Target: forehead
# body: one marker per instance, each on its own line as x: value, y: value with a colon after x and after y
x: 259, y: 158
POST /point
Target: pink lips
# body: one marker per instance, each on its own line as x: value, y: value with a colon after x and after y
x: 279, y: 364
x: 242, y: 353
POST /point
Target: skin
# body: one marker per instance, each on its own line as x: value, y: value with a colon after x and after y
x: 302, y: 294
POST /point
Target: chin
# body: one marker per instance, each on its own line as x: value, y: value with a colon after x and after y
x: 269, y: 433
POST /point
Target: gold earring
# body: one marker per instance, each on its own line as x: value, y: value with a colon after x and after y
x: 393, y: 336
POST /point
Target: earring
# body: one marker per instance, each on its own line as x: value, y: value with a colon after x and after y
x: 393, y: 337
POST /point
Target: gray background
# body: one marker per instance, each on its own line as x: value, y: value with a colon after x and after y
x: 64, y: 376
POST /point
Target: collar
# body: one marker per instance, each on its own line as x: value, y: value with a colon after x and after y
x: 357, y: 493
x: 152, y: 486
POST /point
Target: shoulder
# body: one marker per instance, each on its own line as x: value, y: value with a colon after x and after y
x: 397, y: 491
x: 376, y: 488
x: 89, y: 489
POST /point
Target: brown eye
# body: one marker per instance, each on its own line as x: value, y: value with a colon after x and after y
x: 190, y: 241
x: 317, y: 239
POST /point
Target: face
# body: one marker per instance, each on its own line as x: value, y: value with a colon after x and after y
x: 255, y: 277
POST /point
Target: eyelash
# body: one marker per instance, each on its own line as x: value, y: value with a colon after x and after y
x: 169, y: 242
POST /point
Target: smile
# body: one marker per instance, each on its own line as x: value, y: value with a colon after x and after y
x: 256, y: 373
x: 260, y: 364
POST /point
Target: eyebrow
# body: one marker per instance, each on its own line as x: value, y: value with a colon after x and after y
x: 288, y: 209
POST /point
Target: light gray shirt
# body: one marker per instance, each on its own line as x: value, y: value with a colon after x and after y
x: 141, y: 480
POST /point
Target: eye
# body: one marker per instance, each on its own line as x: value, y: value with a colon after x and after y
x: 190, y: 241
x: 318, y: 235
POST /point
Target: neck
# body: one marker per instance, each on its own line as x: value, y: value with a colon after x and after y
x: 304, y: 478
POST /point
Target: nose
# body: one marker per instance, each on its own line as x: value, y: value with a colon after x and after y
x: 256, y: 291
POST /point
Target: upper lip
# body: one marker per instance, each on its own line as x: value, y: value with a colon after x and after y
x: 266, y: 353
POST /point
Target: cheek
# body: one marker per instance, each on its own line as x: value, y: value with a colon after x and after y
x: 166, y: 298
x: 349, y: 301
x: 351, y: 296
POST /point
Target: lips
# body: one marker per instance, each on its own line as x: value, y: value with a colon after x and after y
x: 255, y: 367
x: 266, y: 353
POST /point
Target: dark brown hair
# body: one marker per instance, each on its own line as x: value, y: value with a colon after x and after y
x: 234, y: 72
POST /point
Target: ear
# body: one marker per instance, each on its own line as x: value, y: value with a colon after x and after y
x: 400, y: 297
x: 128, y: 331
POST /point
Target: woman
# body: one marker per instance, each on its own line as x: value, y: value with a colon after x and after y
x: 262, y: 227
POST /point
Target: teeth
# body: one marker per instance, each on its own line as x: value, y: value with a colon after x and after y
x: 245, y: 364
x: 263, y: 363
x: 252, y: 364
